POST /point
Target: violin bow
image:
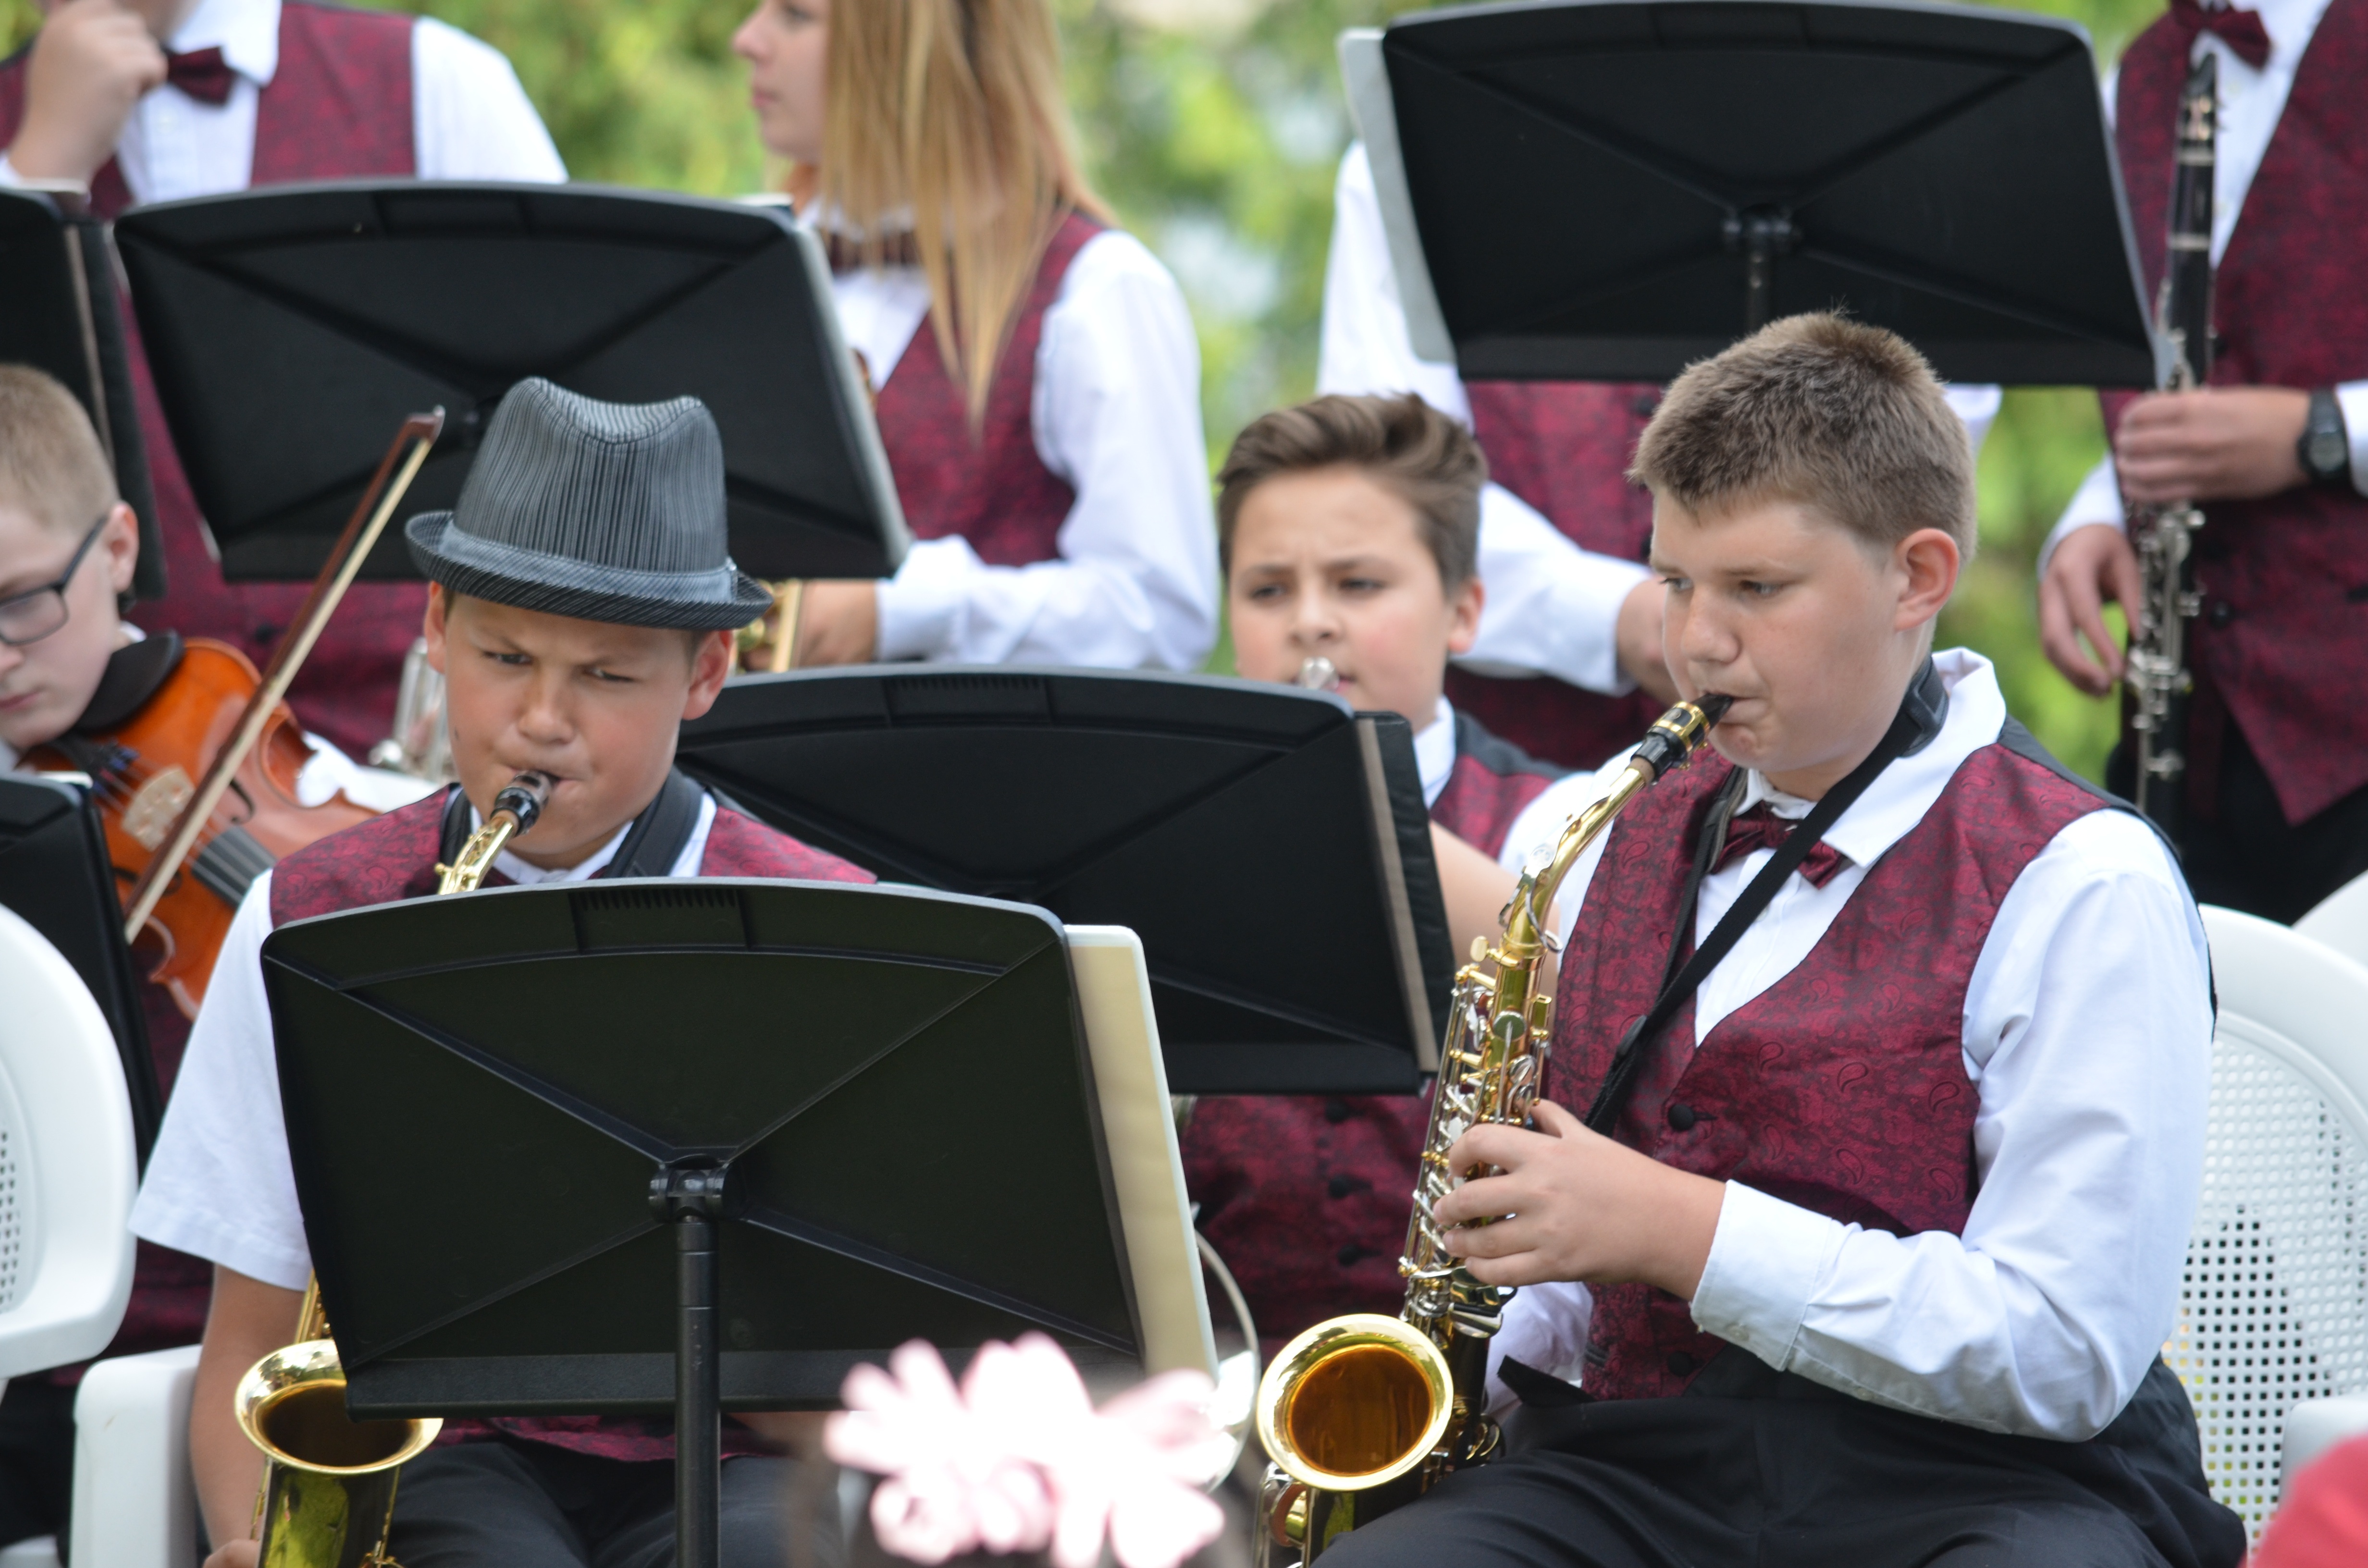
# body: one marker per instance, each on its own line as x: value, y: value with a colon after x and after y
x: 385, y: 492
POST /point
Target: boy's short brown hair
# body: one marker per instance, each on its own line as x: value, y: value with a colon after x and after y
x: 1427, y: 460
x: 1823, y: 412
x: 51, y: 465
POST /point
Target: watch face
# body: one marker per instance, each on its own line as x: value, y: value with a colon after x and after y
x: 2328, y: 451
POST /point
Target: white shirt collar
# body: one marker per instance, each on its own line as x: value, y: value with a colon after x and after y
x: 1434, y: 752
x: 246, y: 31
x: 1904, y: 791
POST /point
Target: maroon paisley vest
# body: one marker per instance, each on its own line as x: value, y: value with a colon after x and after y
x: 1565, y: 448
x: 338, y: 107
x: 1306, y: 1197
x: 393, y: 856
x: 1841, y: 1087
x: 2282, y: 645
x: 988, y: 484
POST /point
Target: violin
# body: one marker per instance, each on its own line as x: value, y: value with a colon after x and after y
x: 144, y: 771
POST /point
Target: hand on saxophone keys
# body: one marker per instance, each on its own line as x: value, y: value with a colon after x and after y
x: 1572, y: 1204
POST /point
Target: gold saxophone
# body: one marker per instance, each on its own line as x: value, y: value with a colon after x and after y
x: 1362, y: 1413
x: 327, y: 1497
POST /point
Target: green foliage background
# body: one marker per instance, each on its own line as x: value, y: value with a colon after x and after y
x: 1213, y: 126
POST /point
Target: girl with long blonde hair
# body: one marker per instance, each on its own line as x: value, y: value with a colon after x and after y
x: 1036, y: 375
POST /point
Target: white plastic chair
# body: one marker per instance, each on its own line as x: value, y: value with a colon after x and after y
x: 2341, y: 920
x: 2274, y: 1308
x: 67, y: 1166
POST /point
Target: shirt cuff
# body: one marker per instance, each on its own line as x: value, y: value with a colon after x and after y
x: 921, y: 607
x: 2098, y: 501
x: 1552, y: 607
x: 2352, y: 398
x: 1765, y: 1263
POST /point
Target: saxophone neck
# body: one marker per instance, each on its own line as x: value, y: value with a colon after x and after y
x: 515, y: 811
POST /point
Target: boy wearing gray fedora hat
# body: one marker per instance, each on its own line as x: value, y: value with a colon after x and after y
x: 583, y: 609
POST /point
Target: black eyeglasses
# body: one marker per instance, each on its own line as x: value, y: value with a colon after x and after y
x: 34, y: 614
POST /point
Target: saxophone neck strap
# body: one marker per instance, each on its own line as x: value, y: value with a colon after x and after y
x: 653, y: 843
x: 1922, y: 713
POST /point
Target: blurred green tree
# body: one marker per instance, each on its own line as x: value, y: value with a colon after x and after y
x: 1214, y: 127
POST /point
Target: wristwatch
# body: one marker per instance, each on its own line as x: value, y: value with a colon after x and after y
x: 2325, y: 448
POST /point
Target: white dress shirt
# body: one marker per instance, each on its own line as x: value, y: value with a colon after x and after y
x: 2088, y: 1036
x: 219, y: 1185
x: 2251, y: 102
x: 1116, y: 412
x: 470, y: 117
x: 1553, y: 608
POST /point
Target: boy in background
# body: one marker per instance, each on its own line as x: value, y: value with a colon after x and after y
x: 1349, y: 529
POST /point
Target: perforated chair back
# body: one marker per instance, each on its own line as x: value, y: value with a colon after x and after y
x: 67, y: 1169
x: 2274, y: 1308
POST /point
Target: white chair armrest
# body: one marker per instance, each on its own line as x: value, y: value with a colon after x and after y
x: 2314, y: 1425
x: 134, y: 1502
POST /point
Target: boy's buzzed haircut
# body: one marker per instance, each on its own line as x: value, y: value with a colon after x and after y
x: 1823, y: 412
x: 51, y: 465
x: 1420, y: 455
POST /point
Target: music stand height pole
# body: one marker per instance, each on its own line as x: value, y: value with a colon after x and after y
x: 690, y: 1199
x: 1761, y: 234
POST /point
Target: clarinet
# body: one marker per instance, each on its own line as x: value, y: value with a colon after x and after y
x: 2158, y: 682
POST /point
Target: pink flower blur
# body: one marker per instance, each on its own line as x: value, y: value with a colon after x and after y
x: 1016, y: 1459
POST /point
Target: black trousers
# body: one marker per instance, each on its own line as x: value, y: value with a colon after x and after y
x: 37, y: 1442
x: 514, y: 1505
x: 2248, y: 856
x: 1774, y: 1472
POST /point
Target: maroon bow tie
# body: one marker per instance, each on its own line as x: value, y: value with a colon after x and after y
x: 2240, y: 30
x: 202, y: 74
x: 1760, y: 828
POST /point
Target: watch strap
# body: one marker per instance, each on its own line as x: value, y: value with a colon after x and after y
x: 2325, y: 449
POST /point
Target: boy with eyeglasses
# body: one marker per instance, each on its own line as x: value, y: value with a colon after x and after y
x: 69, y: 661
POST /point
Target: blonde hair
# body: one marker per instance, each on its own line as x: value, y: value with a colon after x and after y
x: 952, y: 111
x: 51, y: 465
x: 1823, y: 412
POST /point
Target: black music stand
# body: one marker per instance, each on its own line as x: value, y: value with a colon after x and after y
x: 292, y: 329
x: 1611, y: 189
x: 59, y: 312
x: 54, y: 873
x: 1270, y: 847
x: 690, y: 1146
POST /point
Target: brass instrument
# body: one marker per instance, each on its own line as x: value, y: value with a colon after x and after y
x: 1317, y: 673
x: 1364, y: 1412
x: 2159, y: 681
x: 515, y: 810
x: 421, y: 744
x: 327, y: 1497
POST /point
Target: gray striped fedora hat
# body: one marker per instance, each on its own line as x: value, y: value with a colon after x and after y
x: 601, y: 511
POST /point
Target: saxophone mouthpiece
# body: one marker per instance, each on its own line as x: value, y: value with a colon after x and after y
x: 1318, y: 674
x: 1714, y: 706
x: 523, y: 798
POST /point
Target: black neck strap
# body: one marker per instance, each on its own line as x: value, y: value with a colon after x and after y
x: 652, y: 846
x: 1922, y: 713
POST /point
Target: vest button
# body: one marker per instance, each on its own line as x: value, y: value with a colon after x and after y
x: 1645, y: 404
x: 1341, y: 1187
x: 1680, y: 1363
x: 1335, y: 1111
x: 1681, y: 1116
x: 1353, y: 1255
x: 2221, y: 613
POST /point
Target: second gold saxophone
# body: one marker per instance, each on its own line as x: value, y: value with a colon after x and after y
x: 1361, y: 1414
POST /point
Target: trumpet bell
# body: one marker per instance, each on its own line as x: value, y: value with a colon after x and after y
x: 1355, y: 1403
x: 329, y: 1480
